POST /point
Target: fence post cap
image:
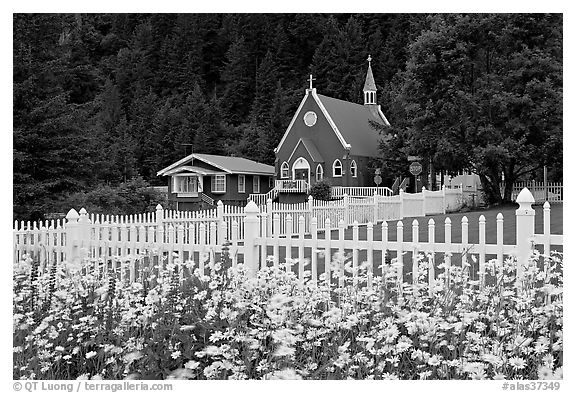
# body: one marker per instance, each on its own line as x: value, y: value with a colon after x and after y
x: 159, y: 207
x: 251, y: 207
x: 423, y: 188
x: 219, y: 203
x: 525, y: 197
x: 72, y: 215
x: 83, y: 211
x: 269, y: 200
x: 546, y: 205
x: 310, y: 197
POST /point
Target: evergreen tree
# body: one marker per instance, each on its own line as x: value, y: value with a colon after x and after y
x: 238, y: 74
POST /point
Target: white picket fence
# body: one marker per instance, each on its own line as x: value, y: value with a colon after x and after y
x: 340, y: 191
x: 82, y: 238
x: 327, y: 252
x: 538, y: 190
x: 213, y: 226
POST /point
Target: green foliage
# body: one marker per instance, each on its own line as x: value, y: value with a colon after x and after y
x: 484, y: 93
x: 321, y: 190
x: 131, y: 197
x: 101, y: 98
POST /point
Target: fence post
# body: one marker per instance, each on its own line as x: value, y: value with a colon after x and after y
x: 83, y: 222
x: 346, y: 210
x: 72, y: 236
x: 375, y: 220
x: 525, y: 217
x: 251, y: 230
x: 159, y: 215
x: 310, y: 204
x: 220, y: 216
x: 269, y: 211
x: 444, y: 199
x: 401, y: 193
x: 83, y: 232
x: 423, y: 201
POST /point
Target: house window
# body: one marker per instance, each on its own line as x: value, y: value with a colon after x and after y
x: 337, y: 168
x: 219, y: 183
x: 185, y: 184
x: 319, y: 173
x: 256, y: 185
x: 241, y: 183
x: 284, y: 170
x: 353, y: 169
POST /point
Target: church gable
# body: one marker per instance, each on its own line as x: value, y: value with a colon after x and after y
x: 311, y: 125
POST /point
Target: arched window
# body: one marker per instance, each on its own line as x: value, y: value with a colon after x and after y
x: 319, y: 172
x: 284, y: 170
x: 337, y: 168
x: 353, y: 169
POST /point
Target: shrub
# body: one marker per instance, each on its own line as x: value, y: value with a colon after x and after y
x: 321, y: 190
x: 132, y: 197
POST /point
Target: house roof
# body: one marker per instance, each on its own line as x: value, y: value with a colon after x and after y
x: 193, y: 169
x: 312, y: 150
x: 231, y: 165
x: 354, y: 122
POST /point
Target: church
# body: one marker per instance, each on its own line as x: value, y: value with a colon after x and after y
x: 329, y: 139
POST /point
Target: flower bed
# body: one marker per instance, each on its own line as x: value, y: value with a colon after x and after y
x: 224, y: 325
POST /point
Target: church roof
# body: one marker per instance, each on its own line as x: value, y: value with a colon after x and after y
x: 355, y: 124
x: 311, y: 147
x: 369, y: 84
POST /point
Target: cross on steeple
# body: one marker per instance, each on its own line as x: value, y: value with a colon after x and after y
x: 311, y: 79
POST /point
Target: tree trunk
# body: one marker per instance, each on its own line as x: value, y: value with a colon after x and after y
x: 491, y: 188
x: 509, y: 179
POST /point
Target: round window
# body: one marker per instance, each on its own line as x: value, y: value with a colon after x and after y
x: 310, y: 118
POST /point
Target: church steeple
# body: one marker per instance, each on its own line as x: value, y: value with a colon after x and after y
x: 369, y: 86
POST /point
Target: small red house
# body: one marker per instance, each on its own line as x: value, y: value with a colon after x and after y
x: 204, y: 179
x: 330, y: 139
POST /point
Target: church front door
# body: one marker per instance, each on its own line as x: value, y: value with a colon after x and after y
x: 301, y: 174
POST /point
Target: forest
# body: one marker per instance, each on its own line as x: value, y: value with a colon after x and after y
x: 101, y: 102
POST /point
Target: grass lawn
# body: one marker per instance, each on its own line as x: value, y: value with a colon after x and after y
x: 509, y: 213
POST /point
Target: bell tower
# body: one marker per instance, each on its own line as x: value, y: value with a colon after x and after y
x: 369, y: 86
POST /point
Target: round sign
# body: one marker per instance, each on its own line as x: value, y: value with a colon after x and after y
x: 415, y: 168
x: 378, y: 180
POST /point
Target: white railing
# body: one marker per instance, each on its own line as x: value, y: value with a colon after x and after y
x: 207, y: 199
x: 338, y: 191
x: 291, y: 186
x: 80, y: 239
x: 538, y: 190
x: 260, y: 199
